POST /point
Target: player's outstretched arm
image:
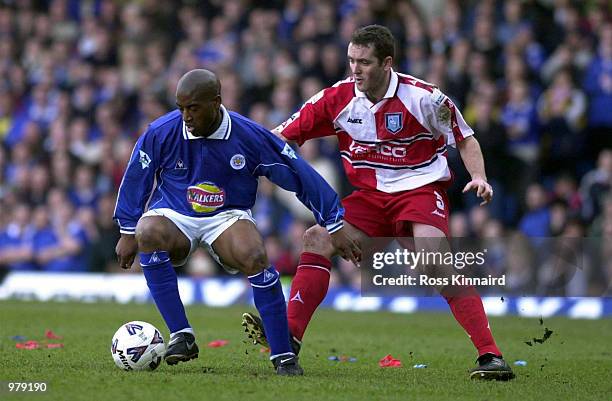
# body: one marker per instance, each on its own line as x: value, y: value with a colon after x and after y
x: 277, y: 131
x: 134, y: 191
x: 470, y: 152
x: 279, y: 162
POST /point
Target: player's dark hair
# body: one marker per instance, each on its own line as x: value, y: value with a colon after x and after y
x: 378, y: 36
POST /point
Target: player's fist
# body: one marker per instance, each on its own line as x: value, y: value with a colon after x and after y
x: 126, y: 250
x: 347, y: 247
x: 483, y: 189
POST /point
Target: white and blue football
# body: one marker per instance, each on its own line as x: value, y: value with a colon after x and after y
x: 138, y: 346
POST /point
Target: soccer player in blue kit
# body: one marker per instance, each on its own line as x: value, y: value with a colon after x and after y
x: 191, y: 181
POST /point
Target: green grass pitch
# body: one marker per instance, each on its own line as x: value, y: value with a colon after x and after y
x: 575, y: 363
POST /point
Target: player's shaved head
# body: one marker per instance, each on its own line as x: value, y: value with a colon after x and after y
x: 198, y: 97
x: 199, y: 84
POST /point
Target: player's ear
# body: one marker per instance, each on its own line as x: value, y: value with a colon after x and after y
x: 387, y: 63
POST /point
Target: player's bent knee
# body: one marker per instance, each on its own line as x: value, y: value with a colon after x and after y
x: 253, y: 261
x: 317, y: 240
x: 150, y: 235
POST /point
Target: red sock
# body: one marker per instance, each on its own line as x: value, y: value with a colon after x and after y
x: 308, y: 289
x: 467, y: 308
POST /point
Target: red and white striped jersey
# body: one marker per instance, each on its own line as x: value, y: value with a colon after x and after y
x: 394, y: 145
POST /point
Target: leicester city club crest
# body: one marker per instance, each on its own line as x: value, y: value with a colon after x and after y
x: 393, y: 122
x: 238, y: 161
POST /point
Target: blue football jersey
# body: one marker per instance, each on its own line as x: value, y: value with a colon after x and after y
x: 199, y: 177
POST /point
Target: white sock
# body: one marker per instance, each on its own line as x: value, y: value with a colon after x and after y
x: 185, y: 330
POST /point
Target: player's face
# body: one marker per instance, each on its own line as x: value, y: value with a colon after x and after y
x: 201, y: 115
x: 371, y: 74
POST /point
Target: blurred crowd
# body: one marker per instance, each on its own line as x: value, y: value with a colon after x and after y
x: 80, y: 80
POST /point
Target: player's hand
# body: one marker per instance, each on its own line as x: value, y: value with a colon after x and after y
x: 483, y: 189
x: 347, y: 247
x: 126, y: 250
x: 277, y: 131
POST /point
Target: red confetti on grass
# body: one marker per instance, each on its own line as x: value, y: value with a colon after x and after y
x: 218, y: 343
x: 389, y: 362
x: 52, y: 336
x: 33, y: 344
x: 28, y: 345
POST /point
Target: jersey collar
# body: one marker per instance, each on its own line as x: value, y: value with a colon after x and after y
x: 223, y: 132
x: 391, y: 90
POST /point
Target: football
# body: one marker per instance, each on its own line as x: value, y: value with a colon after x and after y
x: 137, y: 346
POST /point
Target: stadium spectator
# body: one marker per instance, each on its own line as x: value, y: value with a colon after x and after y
x: 39, y: 185
x: 561, y: 111
x: 16, y: 241
x: 459, y: 225
x: 457, y: 82
x: 520, y: 121
x: 520, y: 265
x: 515, y: 70
x: 512, y: 21
x: 101, y: 251
x: 283, y: 104
x: 572, y: 54
x: 598, y: 86
x: 60, y: 242
x: 596, y: 184
x: 493, y: 142
x: 83, y: 192
x: 565, y: 189
x: 567, y: 269
x: 602, y: 250
x: 536, y: 221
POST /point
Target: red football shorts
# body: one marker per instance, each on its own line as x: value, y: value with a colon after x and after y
x: 379, y: 214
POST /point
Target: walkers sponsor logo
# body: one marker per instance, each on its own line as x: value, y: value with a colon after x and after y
x: 205, y: 197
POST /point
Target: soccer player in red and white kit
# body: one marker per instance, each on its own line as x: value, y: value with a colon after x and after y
x: 392, y: 130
